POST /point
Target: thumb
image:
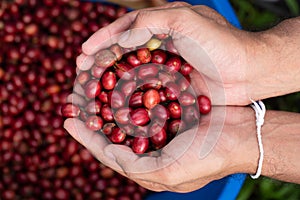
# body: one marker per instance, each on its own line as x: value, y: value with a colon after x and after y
x: 134, y: 37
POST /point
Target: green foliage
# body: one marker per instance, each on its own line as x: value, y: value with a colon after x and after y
x: 254, y: 19
x: 269, y: 189
x: 293, y: 7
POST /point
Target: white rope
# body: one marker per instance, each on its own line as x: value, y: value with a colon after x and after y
x: 260, y: 111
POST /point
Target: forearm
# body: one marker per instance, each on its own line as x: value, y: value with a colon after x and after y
x: 275, y: 61
x: 281, y: 139
x: 281, y: 142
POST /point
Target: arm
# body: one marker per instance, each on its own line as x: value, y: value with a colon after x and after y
x: 243, y: 64
x: 281, y: 141
x: 275, y: 62
x: 231, y: 149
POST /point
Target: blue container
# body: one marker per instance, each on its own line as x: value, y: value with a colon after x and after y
x: 229, y: 187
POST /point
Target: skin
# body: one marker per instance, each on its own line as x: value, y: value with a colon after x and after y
x: 181, y: 169
x: 260, y: 65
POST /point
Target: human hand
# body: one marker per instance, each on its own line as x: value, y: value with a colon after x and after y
x: 191, y: 160
x: 202, y: 37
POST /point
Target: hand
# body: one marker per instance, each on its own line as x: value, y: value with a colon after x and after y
x: 204, y: 38
x: 191, y: 160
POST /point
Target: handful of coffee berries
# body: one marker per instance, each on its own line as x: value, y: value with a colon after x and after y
x: 139, y: 97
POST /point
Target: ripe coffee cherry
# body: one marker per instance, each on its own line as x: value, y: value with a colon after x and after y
x: 93, y: 107
x: 103, y: 96
x: 133, y: 60
x: 117, y: 135
x: 136, y: 99
x: 158, y: 135
x: 151, y: 98
x: 172, y: 91
x: 146, y: 71
x: 186, y: 99
x: 106, y: 113
x: 97, y: 71
x: 204, y: 104
x: 117, y: 50
x: 144, y: 55
x: 184, y: 83
x: 158, y: 56
x: 160, y: 112
x: 139, y: 117
x: 140, y: 144
x: 105, y: 58
x: 128, y: 87
x: 147, y: 93
x: 173, y: 64
x: 70, y: 110
x: 176, y: 126
x: 83, y: 77
x: 116, y: 99
x: 107, y: 128
x: 94, y: 123
x: 122, y: 115
x: 175, y: 110
x: 186, y: 69
x: 151, y: 83
x: 92, y: 88
x: 125, y: 71
x: 109, y: 80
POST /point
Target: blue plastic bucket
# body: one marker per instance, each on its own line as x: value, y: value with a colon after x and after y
x: 229, y: 187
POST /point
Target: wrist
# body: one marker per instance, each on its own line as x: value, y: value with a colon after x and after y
x: 274, y: 61
x: 245, y: 152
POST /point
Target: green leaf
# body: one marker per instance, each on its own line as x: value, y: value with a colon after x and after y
x: 293, y: 6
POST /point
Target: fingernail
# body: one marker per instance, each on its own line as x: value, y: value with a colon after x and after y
x: 124, y: 37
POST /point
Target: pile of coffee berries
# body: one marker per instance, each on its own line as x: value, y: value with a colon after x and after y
x: 39, y: 43
x: 141, y: 98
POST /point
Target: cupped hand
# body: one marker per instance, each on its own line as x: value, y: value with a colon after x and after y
x: 203, y: 37
x: 191, y: 160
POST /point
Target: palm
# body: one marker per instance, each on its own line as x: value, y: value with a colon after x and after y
x: 188, y: 162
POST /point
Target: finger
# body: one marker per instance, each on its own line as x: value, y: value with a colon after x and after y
x: 78, y: 89
x: 84, y: 62
x: 149, y: 22
x: 108, y: 35
x: 126, y: 159
x: 93, y: 141
x: 76, y: 99
x: 154, y: 169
